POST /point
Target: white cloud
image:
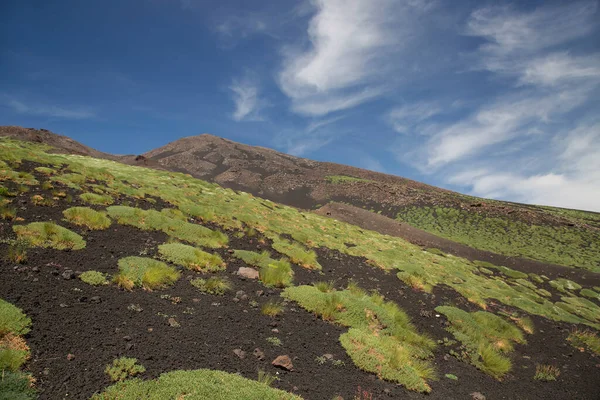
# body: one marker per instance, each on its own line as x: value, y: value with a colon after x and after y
x: 49, y: 111
x: 404, y: 118
x: 318, y: 124
x: 510, y: 32
x: 351, y: 44
x: 561, y: 67
x: 248, y: 104
x: 510, y: 117
x: 572, y: 182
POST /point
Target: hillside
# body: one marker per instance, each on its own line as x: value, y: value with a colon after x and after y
x: 199, y: 283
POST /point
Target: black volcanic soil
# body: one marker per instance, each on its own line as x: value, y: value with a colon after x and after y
x: 67, y: 319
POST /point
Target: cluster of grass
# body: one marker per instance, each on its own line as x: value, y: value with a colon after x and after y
x: 337, y: 179
x: 45, y: 171
x: 17, y: 251
x: 155, y: 220
x: 381, y: 338
x: 123, y: 368
x: 144, y: 272
x: 85, y: 216
x: 486, y: 338
x: 214, y: 285
x: 194, y: 385
x: 14, y: 352
x: 72, y: 180
x: 96, y: 199
x: 191, y: 257
x: 271, y: 308
x: 7, y: 212
x: 564, y: 285
x: 238, y: 210
x: 546, y: 373
x: 297, y: 253
x: 48, y: 234
x: 274, y: 273
x: 570, y: 246
x: 585, y: 339
x: 94, y: 278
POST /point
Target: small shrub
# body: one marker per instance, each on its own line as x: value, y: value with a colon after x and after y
x: 273, y: 340
x: 48, y: 234
x: 39, y: 200
x: 266, y: 378
x: 271, y: 308
x: 17, y: 251
x: 546, y: 373
x: 191, y: 257
x: 324, y: 287
x: 8, y: 213
x: 297, y: 253
x: 277, y: 274
x: 94, y: 278
x: 144, y: 272
x: 123, y: 368
x: 97, y: 199
x: 85, y: 216
x: 17, y: 386
x: 215, y: 285
x: 13, y: 353
x: 13, y: 320
x: 585, y: 339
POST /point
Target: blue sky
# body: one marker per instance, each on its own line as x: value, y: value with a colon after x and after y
x: 496, y: 99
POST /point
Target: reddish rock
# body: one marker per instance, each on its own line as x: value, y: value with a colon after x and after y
x: 283, y: 362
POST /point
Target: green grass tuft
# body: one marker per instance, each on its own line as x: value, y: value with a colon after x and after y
x: 215, y: 285
x: 585, y: 339
x: 13, y: 320
x: 194, y: 385
x: 381, y: 338
x: 123, y: 368
x: 297, y: 253
x: 191, y: 257
x: 277, y: 274
x: 94, y: 278
x: 546, y: 373
x: 85, y: 216
x: 486, y: 338
x: 48, y: 234
x: 97, y: 199
x: 144, y: 272
x: 17, y: 386
x: 271, y: 308
x: 155, y: 220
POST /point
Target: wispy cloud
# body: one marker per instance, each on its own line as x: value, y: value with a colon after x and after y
x: 44, y: 110
x: 246, y: 96
x: 404, y: 118
x: 350, y: 53
x: 320, y: 123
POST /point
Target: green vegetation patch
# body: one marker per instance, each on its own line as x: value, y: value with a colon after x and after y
x: 94, y: 278
x: 381, y: 338
x: 486, y: 338
x: 45, y: 170
x: 275, y: 273
x: 565, y: 245
x: 585, y: 339
x: 194, y: 385
x: 546, y: 373
x: 590, y: 294
x: 48, y: 234
x: 85, y: 216
x: 155, y: 220
x: 564, y: 285
x: 214, y: 285
x: 191, y: 257
x: 297, y: 253
x: 14, y: 352
x: 337, y: 179
x: 145, y: 272
x: 97, y: 199
x: 13, y: 320
x: 123, y: 368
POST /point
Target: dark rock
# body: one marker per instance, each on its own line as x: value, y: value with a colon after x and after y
x: 68, y: 274
x: 96, y: 299
x: 258, y: 353
x: 127, y: 338
x: 240, y: 353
